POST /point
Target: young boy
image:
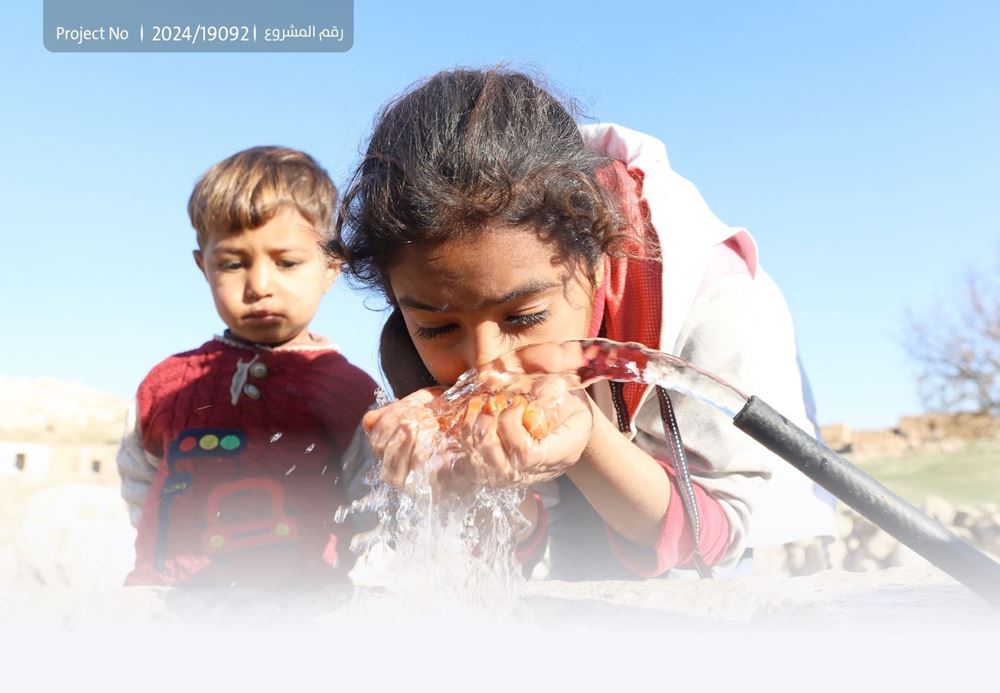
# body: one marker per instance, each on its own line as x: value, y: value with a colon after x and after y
x: 233, y: 458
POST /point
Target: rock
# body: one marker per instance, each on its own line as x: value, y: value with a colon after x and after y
x: 986, y: 533
x: 844, y: 520
x: 838, y: 437
x: 816, y: 557
x: 881, y: 546
x: 837, y: 552
x: 868, y: 565
x: 966, y: 516
x: 939, y: 509
x: 864, y: 529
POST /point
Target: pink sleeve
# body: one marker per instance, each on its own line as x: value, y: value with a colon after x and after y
x: 674, y: 544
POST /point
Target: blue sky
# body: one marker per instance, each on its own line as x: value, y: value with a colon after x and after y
x: 857, y: 141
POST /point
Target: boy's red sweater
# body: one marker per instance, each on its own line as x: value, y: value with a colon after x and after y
x: 248, y: 483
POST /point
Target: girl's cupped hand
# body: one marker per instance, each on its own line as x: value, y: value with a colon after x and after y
x: 509, y: 432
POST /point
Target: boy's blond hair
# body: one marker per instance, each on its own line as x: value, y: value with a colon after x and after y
x: 249, y: 188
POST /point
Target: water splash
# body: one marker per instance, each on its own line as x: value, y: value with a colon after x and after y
x: 442, y: 552
x: 458, y: 548
x: 382, y: 397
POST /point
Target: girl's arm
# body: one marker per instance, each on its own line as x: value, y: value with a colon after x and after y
x: 626, y: 486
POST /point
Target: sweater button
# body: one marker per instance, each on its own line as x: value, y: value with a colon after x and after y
x: 258, y: 370
x: 251, y: 391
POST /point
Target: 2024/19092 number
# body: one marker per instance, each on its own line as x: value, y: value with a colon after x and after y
x: 201, y: 32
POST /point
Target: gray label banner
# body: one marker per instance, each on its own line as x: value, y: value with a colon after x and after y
x: 198, y: 26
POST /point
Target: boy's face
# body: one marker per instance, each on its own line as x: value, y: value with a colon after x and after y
x: 267, y: 283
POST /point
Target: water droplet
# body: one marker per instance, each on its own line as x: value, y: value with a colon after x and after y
x: 276, y: 437
x: 324, y: 469
x: 312, y: 446
x: 290, y: 470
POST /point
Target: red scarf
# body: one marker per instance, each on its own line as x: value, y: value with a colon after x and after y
x: 628, y: 304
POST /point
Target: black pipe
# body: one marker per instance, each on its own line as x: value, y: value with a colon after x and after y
x: 855, y: 488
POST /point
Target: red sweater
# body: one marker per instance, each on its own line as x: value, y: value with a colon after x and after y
x: 250, y: 440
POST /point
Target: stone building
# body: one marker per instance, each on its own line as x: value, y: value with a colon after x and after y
x: 24, y: 459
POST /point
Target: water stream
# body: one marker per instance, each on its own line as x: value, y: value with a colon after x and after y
x: 438, y: 549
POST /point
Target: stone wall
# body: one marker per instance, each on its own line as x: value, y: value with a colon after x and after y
x: 913, y: 434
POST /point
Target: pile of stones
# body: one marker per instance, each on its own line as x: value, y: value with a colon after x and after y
x: 862, y: 547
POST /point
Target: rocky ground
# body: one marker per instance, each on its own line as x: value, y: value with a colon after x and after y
x: 897, y: 596
x: 72, y: 547
x: 63, y: 617
x: 909, y: 629
x: 811, y: 618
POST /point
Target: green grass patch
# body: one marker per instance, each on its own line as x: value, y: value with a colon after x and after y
x: 970, y: 475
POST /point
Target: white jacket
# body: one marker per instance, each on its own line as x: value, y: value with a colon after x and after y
x: 737, y: 326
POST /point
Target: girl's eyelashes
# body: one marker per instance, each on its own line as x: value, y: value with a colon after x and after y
x: 432, y: 332
x: 517, y: 322
x: 528, y: 319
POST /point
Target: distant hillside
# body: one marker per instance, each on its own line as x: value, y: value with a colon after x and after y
x: 56, y: 411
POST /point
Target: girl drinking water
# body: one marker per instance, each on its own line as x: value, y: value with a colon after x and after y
x: 490, y: 220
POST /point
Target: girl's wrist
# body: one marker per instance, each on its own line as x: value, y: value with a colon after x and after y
x: 602, y: 432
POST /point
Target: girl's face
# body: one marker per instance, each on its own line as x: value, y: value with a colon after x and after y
x: 468, y: 301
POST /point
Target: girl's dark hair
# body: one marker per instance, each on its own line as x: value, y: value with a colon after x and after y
x: 463, y: 150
